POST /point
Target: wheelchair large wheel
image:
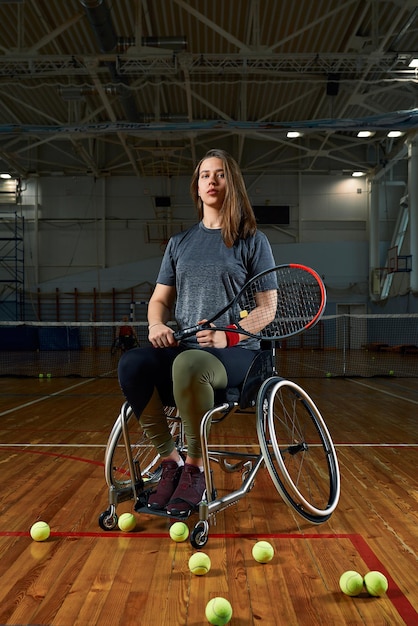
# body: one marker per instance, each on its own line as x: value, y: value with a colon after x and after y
x: 115, y: 347
x: 298, y: 449
x: 145, y: 459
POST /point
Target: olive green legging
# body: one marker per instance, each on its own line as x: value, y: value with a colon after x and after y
x: 196, y: 374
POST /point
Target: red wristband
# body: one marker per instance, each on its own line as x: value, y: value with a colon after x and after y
x: 231, y: 338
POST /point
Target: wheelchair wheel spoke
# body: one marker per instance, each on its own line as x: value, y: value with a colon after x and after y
x: 298, y: 450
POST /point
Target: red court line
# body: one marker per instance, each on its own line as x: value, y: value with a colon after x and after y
x: 398, y: 599
x: 60, y: 456
x: 164, y: 535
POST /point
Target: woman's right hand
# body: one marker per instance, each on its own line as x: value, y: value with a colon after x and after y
x: 161, y: 336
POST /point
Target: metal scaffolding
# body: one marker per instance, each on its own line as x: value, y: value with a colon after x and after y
x: 12, y: 266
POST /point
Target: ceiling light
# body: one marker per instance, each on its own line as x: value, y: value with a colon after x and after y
x: 293, y: 134
x: 413, y: 62
x: 395, y: 133
x: 365, y: 133
x: 5, y: 175
x: 358, y: 174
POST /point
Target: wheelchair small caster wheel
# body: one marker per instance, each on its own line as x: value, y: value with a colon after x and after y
x: 108, y: 520
x: 200, y: 535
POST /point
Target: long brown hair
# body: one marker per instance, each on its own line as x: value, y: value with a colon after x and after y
x: 238, y: 219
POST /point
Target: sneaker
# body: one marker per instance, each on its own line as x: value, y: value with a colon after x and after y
x: 167, y: 484
x: 189, y: 491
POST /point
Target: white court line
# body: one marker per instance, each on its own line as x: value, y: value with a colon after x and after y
x: 376, y: 445
x: 52, y: 445
x: 212, y: 447
x: 49, y: 395
x: 388, y: 393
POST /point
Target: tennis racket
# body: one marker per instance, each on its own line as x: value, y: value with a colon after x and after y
x: 283, y: 301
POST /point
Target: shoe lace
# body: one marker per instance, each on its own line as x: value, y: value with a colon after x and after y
x: 168, y: 472
x: 191, y: 476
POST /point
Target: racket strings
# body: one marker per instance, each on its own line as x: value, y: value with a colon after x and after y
x: 284, y: 302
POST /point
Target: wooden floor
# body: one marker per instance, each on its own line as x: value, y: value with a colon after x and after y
x: 53, y: 434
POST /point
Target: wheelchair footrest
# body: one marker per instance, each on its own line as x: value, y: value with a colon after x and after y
x: 143, y: 508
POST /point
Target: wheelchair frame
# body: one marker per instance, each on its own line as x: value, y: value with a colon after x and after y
x: 295, y: 446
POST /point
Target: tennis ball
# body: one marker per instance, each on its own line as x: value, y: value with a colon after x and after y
x: 49, y: 375
x: 40, y: 375
x: 127, y: 522
x: 218, y: 611
x: 179, y: 532
x: 376, y: 583
x: 328, y: 374
x: 40, y: 531
x: 351, y: 583
x: 199, y: 564
x: 263, y: 551
x: 391, y: 372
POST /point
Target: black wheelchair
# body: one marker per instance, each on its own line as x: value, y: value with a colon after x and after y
x: 293, y: 440
x: 123, y: 343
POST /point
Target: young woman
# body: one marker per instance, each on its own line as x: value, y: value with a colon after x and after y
x: 202, y: 269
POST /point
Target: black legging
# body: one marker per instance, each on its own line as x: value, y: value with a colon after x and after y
x: 153, y: 377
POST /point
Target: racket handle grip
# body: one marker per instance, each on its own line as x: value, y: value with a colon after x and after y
x: 188, y: 332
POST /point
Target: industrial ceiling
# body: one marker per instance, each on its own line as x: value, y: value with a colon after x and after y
x: 145, y: 87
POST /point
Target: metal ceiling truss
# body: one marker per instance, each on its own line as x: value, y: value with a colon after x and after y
x: 169, y: 64
x: 238, y: 78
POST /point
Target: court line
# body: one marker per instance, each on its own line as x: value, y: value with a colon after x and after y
x: 54, y: 454
x: 54, y: 445
x: 49, y: 395
x: 356, y: 444
x: 395, y: 595
x: 388, y: 393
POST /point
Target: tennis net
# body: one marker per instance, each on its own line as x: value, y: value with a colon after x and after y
x: 341, y: 345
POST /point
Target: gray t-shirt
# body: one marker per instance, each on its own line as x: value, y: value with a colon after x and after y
x: 207, y: 274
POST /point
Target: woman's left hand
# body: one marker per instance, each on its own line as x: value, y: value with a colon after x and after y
x: 208, y: 338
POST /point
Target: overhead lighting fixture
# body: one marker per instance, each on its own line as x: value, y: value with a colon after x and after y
x: 294, y: 134
x: 5, y: 175
x: 395, y: 133
x: 365, y: 133
x: 413, y: 62
x: 358, y: 174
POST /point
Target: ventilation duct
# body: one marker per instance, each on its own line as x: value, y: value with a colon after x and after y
x: 100, y: 19
x: 170, y: 43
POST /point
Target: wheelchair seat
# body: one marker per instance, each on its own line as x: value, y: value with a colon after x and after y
x: 261, y: 368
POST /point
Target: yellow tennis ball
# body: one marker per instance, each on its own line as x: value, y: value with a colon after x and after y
x: 199, y: 563
x: 40, y: 531
x: 218, y: 611
x: 179, y: 532
x: 127, y: 522
x: 376, y: 583
x: 351, y: 583
x: 263, y: 551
